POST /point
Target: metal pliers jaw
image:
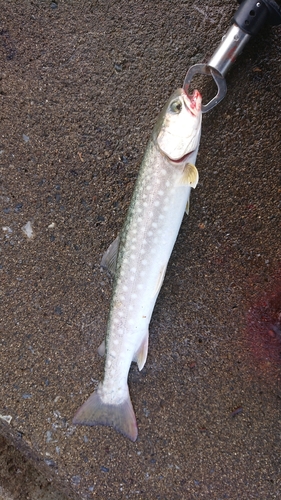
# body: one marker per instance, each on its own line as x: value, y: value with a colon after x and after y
x: 247, y: 21
x: 205, y: 69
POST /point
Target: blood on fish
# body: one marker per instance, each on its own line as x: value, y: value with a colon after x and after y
x: 194, y: 99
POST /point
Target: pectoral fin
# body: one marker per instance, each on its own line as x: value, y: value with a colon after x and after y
x: 190, y: 176
x: 109, y: 259
x: 141, y: 355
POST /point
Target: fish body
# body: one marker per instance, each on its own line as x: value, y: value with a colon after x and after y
x: 142, y: 253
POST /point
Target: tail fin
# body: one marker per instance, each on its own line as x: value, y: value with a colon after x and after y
x: 95, y: 412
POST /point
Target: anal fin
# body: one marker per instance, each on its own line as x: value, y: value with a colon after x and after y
x: 160, y: 280
x: 141, y: 354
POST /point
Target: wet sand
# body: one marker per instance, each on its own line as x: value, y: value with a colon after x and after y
x: 82, y: 83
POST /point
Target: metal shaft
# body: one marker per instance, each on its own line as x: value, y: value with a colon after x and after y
x: 230, y: 47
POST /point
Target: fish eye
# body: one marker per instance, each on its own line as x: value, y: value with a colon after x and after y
x: 176, y: 106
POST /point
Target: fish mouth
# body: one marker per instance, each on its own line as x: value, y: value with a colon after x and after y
x: 193, y: 102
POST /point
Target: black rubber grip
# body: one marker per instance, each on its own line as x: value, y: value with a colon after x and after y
x: 252, y: 14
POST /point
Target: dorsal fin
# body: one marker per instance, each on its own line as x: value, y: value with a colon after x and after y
x: 101, y: 349
x: 109, y: 259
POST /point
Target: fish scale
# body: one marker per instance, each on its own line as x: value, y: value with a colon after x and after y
x: 142, y: 253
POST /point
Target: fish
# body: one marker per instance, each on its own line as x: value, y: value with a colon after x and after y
x: 139, y: 256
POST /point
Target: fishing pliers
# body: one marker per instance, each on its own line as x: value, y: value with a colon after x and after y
x: 246, y: 22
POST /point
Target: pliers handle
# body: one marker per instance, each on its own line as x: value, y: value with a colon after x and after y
x: 247, y: 21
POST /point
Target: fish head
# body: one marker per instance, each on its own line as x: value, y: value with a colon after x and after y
x: 178, y: 128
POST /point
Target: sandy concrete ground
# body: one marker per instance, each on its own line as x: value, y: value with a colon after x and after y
x: 82, y: 83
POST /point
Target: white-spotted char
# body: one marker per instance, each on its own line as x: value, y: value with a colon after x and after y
x: 139, y: 257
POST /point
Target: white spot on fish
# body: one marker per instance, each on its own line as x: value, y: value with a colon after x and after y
x: 125, y: 288
x: 150, y: 233
x: 144, y: 262
x: 168, y: 184
x: 133, y: 247
x: 115, y: 320
x: 133, y: 256
x: 148, y: 187
x: 120, y: 313
x: 134, y: 295
x: 131, y: 321
x: 134, y: 240
x: 139, y: 219
x: 161, y: 216
x: 154, y: 224
x: 133, y: 269
x: 145, y: 204
x: 130, y: 308
x: 115, y: 341
x: 122, y: 297
x: 142, y: 273
x: 163, y: 171
x: 132, y: 278
x: 140, y: 286
x: 142, y: 251
x: 156, y: 203
x: 160, y: 192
